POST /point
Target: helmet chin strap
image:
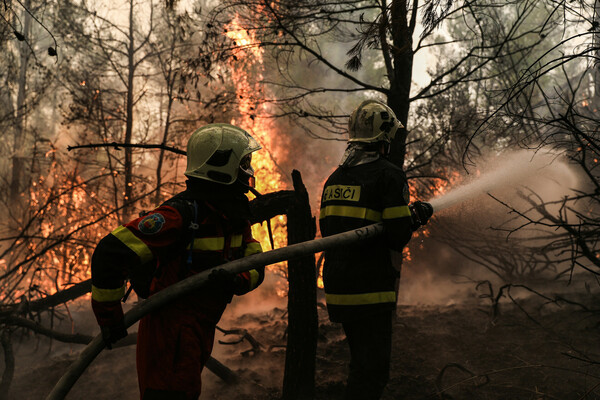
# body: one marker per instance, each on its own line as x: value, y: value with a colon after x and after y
x: 247, y: 186
x: 254, y: 191
x: 387, y: 147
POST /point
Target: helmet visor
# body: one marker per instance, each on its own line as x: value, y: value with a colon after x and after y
x: 246, y: 165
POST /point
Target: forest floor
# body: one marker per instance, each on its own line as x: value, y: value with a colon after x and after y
x: 457, y: 351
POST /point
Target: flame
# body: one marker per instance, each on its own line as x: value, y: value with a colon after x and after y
x: 247, y: 69
x: 320, y: 257
x: 436, y: 187
x: 58, y: 234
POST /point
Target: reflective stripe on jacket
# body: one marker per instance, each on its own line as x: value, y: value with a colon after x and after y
x: 156, y: 239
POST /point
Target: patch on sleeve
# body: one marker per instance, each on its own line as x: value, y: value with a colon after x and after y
x: 151, y: 224
x: 406, y: 194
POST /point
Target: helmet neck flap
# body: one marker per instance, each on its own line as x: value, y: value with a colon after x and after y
x: 360, y: 153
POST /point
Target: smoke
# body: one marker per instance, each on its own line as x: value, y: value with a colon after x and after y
x: 268, y: 296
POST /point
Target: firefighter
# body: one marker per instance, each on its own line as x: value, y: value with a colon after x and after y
x: 360, y: 280
x: 200, y: 228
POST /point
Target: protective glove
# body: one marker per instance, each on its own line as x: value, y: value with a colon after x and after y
x: 113, y: 333
x: 420, y: 214
x: 224, y: 280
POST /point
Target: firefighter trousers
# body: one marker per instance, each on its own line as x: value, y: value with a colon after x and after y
x: 370, y: 341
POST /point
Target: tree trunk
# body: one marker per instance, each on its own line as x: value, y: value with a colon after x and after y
x: 161, y: 156
x: 9, y: 364
x: 19, y: 150
x: 400, y: 83
x: 128, y: 165
x: 299, y: 376
x: 597, y: 43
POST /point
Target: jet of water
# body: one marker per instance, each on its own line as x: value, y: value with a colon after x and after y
x: 510, y: 172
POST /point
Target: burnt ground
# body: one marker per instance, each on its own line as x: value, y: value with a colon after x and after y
x: 440, y: 352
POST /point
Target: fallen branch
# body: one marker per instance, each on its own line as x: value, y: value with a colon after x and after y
x: 221, y: 371
x: 212, y: 364
x: 440, y: 378
x: 256, y: 346
x: 192, y: 284
x: 54, y: 300
x: 38, y: 328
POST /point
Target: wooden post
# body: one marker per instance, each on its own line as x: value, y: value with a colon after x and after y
x: 299, y: 375
x: 9, y: 363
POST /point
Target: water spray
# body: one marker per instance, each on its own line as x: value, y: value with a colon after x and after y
x: 509, y: 172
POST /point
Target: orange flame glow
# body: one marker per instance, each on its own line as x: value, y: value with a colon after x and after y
x: 58, y: 230
x: 269, y: 177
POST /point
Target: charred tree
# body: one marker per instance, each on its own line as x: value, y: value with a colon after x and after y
x: 19, y: 160
x: 299, y: 376
x: 399, y: 66
x: 131, y: 67
x: 270, y: 205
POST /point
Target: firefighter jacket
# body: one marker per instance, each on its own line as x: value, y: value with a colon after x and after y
x: 360, y: 278
x: 175, y: 342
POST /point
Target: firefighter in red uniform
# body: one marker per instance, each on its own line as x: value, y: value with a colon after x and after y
x: 360, y: 280
x: 198, y: 229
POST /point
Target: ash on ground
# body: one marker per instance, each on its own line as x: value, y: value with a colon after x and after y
x: 526, y: 350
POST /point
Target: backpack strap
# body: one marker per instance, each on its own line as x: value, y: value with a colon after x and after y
x: 193, y: 228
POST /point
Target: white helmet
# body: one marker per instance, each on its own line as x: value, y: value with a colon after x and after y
x: 217, y: 152
x: 372, y: 122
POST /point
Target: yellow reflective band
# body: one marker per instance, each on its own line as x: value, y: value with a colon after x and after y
x: 236, y: 241
x: 107, y: 294
x: 209, y: 244
x: 134, y: 243
x: 349, y: 211
x: 216, y: 243
x: 253, y: 248
x: 396, y: 212
x: 341, y: 192
x: 360, y: 299
x: 254, y: 275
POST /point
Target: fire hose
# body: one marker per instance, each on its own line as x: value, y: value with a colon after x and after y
x: 187, y: 286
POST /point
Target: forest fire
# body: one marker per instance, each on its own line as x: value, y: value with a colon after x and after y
x: 505, y: 157
x: 54, y: 251
x: 247, y: 68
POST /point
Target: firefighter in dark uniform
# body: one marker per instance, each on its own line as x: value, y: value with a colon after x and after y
x: 200, y: 228
x: 360, y: 280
